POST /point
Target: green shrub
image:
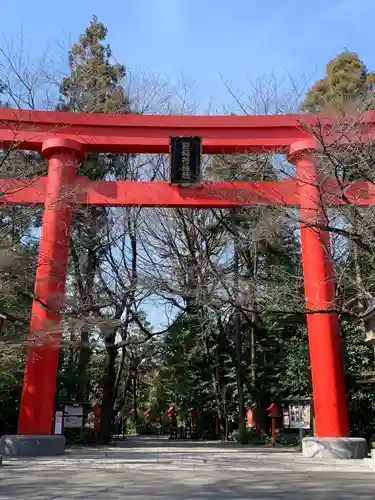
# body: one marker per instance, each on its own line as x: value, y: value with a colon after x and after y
x: 146, y: 429
x: 131, y: 427
x: 252, y: 437
x: 372, y: 441
x: 255, y: 439
x: 287, y: 438
x: 86, y: 436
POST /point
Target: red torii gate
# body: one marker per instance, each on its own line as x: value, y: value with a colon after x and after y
x: 64, y: 138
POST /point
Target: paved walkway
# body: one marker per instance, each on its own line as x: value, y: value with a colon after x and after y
x: 156, y: 469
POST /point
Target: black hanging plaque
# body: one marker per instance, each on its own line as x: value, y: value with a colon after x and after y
x: 185, y: 155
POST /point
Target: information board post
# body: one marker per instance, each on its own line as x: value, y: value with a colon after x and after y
x: 58, y: 428
x: 297, y: 415
x: 302, y: 435
x: 73, y: 416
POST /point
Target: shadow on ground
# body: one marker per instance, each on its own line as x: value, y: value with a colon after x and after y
x: 160, y: 469
x: 193, y: 487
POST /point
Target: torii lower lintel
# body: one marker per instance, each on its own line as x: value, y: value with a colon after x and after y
x: 32, y: 191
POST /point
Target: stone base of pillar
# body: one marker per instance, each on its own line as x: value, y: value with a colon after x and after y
x: 334, y: 448
x: 32, y: 446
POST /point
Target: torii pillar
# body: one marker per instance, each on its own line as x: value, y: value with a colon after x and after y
x: 326, y: 358
x: 38, y: 396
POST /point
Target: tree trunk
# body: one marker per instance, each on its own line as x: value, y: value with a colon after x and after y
x: 238, y: 338
x: 70, y: 364
x: 241, y: 407
x: 106, y: 416
x: 84, y: 358
x: 214, y: 365
x: 261, y: 413
x: 135, y: 406
x: 226, y: 430
x: 253, y: 354
x: 85, y: 284
x: 120, y: 370
x: 253, y: 326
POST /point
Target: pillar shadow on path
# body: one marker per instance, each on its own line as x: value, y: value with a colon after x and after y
x: 156, y: 469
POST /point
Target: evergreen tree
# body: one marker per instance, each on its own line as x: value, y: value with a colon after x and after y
x: 347, y: 83
x: 95, y: 85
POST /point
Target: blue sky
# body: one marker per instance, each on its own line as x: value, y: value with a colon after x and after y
x: 197, y: 40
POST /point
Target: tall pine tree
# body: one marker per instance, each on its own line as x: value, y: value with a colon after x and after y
x: 95, y: 85
x: 347, y: 83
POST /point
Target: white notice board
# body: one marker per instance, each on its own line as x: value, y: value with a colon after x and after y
x: 300, y: 416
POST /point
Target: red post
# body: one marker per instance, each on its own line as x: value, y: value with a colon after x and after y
x: 97, y: 411
x: 275, y: 414
x: 37, y: 404
x: 273, y: 431
x: 330, y: 405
